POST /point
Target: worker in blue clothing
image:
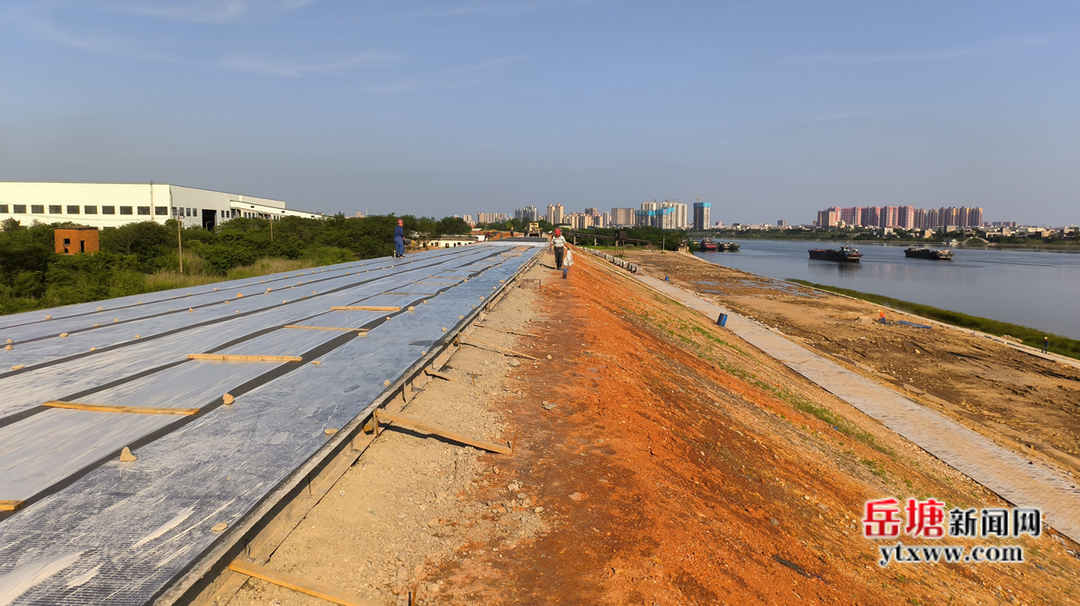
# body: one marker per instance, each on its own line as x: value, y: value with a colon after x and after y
x: 399, y: 239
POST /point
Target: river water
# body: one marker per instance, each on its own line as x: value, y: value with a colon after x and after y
x: 1032, y: 288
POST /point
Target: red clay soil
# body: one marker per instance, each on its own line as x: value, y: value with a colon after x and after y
x: 678, y: 467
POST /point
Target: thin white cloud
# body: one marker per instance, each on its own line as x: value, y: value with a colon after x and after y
x: 486, y: 65
x: 292, y: 68
x: 1004, y: 44
x: 866, y: 59
x: 1029, y: 40
x: 423, y: 84
x: 106, y: 45
x: 201, y: 11
x: 130, y: 48
x: 447, y: 79
x: 844, y: 115
x: 206, y: 11
x: 502, y: 6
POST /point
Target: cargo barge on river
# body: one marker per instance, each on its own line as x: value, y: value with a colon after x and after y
x: 708, y: 245
x: 927, y: 253
x: 845, y: 254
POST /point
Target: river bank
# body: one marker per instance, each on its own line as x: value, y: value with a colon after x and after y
x: 854, y: 238
x: 1026, y: 401
x: 1029, y: 288
x: 1056, y: 344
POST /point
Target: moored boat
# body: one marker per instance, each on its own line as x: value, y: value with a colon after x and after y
x: 707, y: 245
x: 728, y: 246
x: 927, y: 253
x: 845, y: 254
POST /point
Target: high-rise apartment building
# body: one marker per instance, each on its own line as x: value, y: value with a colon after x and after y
x: 829, y: 217
x: 555, y: 214
x: 529, y: 213
x: 871, y: 216
x: 653, y: 214
x: 851, y: 215
x: 975, y: 217
x: 492, y: 217
x: 702, y: 212
x: 905, y: 217
x: 889, y: 216
x: 622, y: 217
x: 920, y: 218
x: 679, y: 214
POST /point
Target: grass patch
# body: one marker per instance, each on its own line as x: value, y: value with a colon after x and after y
x: 682, y: 332
x: 197, y: 273
x: 875, y: 468
x: 837, y: 422
x: 1030, y: 336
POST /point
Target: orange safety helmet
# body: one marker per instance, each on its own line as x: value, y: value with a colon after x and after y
x: 558, y: 232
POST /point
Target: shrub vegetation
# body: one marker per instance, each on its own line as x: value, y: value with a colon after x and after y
x: 142, y: 257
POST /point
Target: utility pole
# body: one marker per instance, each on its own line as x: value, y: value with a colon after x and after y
x: 179, y: 243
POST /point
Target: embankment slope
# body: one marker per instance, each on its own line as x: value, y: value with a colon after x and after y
x: 680, y: 465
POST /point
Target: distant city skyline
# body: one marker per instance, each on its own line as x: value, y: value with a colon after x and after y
x: 904, y: 217
x: 768, y: 110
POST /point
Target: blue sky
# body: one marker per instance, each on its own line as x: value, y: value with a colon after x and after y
x: 769, y: 109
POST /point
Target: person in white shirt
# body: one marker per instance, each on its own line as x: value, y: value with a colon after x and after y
x: 558, y: 245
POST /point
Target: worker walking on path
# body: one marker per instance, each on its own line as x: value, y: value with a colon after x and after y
x: 399, y: 239
x: 558, y: 245
x: 1046, y: 344
x: 881, y: 316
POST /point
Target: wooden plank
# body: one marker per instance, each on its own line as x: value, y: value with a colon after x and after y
x: 505, y: 351
x: 295, y: 583
x: 343, y: 329
x: 142, y: 410
x: 440, y: 375
x: 365, y: 308
x: 10, y: 505
x: 418, y: 425
x: 509, y: 332
x: 239, y: 358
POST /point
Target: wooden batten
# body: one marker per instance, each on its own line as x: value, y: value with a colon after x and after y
x: 142, y: 410
x: 439, y: 375
x: 381, y: 416
x: 11, y: 505
x: 342, y: 329
x: 509, y: 332
x: 505, y: 351
x: 240, y: 358
x: 295, y: 583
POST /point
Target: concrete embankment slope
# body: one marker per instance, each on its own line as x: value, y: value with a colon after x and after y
x: 83, y: 527
x: 1018, y: 480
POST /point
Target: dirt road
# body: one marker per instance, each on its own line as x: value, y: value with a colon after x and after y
x: 658, y: 460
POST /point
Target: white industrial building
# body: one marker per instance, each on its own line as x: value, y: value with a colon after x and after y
x: 105, y: 205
